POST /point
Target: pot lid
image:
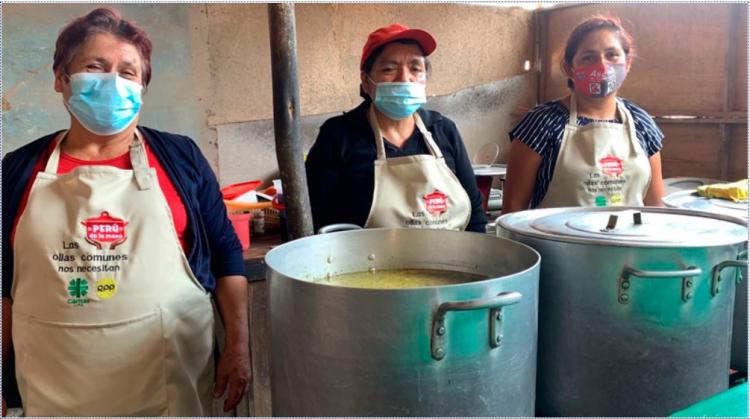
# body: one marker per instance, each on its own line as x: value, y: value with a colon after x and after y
x: 628, y: 226
x: 675, y: 184
x: 490, y: 170
x: 689, y: 199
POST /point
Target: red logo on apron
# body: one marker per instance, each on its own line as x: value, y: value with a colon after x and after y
x: 436, y: 202
x: 611, y: 165
x: 105, y: 229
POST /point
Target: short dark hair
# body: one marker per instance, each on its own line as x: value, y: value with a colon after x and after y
x: 592, y: 24
x: 101, y: 20
x: 370, y: 61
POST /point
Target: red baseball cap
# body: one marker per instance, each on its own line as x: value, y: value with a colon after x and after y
x: 392, y: 33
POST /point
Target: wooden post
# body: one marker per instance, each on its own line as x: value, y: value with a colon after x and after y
x: 286, y: 118
x: 730, y: 75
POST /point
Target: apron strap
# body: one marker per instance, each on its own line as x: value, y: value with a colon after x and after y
x: 622, y: 111
x: 380, y: 145
x: 376, y: 132
x: 629, y: 120
x: 626, y: 117
x: 573, y: 111
x: 54, y: 159
x: 138, y: 160
x: 434, y: 149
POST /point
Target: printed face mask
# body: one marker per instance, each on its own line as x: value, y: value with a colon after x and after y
x: 104, y: 103
x: 599, y: 80
x: 399, y: 100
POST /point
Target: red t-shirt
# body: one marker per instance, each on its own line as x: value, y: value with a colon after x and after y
x: 68, y: 163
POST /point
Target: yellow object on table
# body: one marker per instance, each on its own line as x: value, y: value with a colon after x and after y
x: 735, y: 191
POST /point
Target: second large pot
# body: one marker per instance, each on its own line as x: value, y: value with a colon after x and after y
x: 689, y: 199
x: 455, y: 350
x: 635, y: 307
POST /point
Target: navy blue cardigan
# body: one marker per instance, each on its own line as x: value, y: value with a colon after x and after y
x: 215, y: 250
x: 340, y: 166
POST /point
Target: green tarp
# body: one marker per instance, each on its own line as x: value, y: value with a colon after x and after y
x: 730, y: 403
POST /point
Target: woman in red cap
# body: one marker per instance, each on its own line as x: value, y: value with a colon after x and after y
x: 388, y: 162
x: 591, y: 148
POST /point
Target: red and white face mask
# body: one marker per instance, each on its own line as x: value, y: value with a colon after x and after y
x: 599, y: 79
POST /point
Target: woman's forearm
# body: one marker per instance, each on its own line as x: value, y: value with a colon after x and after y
x: 231, y: 298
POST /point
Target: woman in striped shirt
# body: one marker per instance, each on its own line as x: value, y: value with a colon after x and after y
x: 590, y: 148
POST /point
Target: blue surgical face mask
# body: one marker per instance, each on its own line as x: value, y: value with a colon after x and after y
x: 104, y: 103
x: 399, y: 100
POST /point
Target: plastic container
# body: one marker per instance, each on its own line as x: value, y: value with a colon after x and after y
x: 236, y: 190
x: 259, y: 222
x: 241, y: 223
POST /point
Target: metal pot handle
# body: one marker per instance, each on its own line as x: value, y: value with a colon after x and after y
x: 331, y: 228
x: 495, y: 304
x: 623, y: 283
x: 716, y: 272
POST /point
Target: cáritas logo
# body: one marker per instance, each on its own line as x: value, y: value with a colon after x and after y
x: 105, y: 229
x: 78, y: 290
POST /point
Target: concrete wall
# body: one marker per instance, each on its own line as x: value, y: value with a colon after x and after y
x: 212, y: 76
x: 31, y: 107
x: 478, y: 76
x: 212, y: 71
x: 679, y: 70
x: 476, y: 45
x: 482, y: 113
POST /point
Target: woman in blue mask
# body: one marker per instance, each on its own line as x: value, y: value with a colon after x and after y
x: 590, y: 148
x: 389, y: 162
x: 115, y: 242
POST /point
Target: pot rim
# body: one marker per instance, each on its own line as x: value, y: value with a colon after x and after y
x: 270, y: 269
x: 520, y: 228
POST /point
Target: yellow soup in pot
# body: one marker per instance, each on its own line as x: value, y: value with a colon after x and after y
x: 401, y: 278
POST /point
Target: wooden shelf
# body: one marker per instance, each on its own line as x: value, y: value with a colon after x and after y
x: 255, y: 267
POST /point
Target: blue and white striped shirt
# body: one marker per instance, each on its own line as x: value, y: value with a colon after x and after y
x: 541, y: 129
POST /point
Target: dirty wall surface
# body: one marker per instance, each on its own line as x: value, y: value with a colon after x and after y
x: 481, y: 52
x: 212, y: 81
x: 31, y: 107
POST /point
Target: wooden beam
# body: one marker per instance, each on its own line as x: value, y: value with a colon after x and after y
x: 545, y: 59
x: 725, y: 118
x: 730, y: 75
x: 538, y: 53
x: 563, y: 6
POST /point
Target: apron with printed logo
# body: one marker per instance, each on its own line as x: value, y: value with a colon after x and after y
x: 417, y: 191
x: 599, y: 164
x: 108, y: 318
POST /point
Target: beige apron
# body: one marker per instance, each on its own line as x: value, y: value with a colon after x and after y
x: 599, y: 164
x: 108, y: 318
x: 417, y: 191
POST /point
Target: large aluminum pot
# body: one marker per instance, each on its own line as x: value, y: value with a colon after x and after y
x: 690, y: 200
x: 739, y: 328
x: 466, y: 349
x: 635, y: 307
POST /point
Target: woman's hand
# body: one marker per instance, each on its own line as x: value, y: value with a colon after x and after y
x: 234, y: 372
